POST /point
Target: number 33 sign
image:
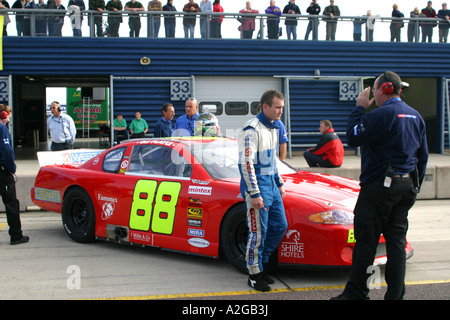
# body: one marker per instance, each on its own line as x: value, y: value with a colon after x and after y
x: 180, y: 90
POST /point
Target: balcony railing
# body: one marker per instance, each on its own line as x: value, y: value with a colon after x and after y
x: 41, y: 22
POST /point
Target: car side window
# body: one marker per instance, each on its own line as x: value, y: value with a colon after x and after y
x: 112, y: 160
x: 158, y: 160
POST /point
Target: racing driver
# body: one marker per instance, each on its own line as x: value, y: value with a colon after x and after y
x: 262, y: 188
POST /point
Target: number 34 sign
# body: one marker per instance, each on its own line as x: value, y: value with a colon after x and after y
x: 348, y: 90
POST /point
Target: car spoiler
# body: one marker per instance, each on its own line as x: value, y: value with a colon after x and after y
x: 73, y: 157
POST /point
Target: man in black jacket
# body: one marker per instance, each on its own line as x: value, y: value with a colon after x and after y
x: 7, y: 180
x: 291, y: 22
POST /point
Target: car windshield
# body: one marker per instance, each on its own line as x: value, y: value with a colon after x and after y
x: 220, y: 159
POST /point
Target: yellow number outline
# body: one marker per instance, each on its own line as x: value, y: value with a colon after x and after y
x: 149, y: 208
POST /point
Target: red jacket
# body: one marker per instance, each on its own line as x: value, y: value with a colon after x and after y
x: 330, y: 147
x: 217, y: 8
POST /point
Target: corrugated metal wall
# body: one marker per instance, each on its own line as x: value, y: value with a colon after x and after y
x: 145, y: 95
x: 312, y: 101
x: 184, y: 57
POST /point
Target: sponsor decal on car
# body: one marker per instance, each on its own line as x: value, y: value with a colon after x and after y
x: 194, y: 223
x: 206, y: 191
x: 292, y: 248
x: 196, y: 232
x: 195, y: 202
x: 198, y: 242
x: 204, y: 183
x: 49, y: 195
x: 196, y: 213
x: 140, y: 237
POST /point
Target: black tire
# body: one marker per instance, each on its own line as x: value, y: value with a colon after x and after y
x: 78, y: 215
x: 233, y: 238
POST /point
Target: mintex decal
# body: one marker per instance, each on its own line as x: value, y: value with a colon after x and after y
x: 206, y: 191
x: 47, y: 195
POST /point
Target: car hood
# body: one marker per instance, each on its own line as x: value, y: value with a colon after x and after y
x: 323, y: 189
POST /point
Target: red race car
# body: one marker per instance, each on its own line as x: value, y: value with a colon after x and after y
x: 182, y: 194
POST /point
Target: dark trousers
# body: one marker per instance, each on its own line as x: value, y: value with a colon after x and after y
x: 59, y: 146
x: 135, y: 26
x: 381, y: 210
x: 315, y: 160
x: 98, y: 23
x: 8, y: 193
x: 272, y: 29
x: 138, y: 135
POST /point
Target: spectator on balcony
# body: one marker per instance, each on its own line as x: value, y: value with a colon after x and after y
x: 331, y: 12
x: 273, y: 20
x: 247, y: 23
x: 98, y: 6
x: 41, y: 20
x: 370, y: 25
x: 313, y: 9
x: 190, y: 20
x: 5, y: 5
x: 205, y: 6
x: 75, y: 8
x: 19, y: 16
x: 114, y: 18
x: 216, y: 21
x: 30, y: 4
x: 396, y: 25
x: 444, y: 14
x: 169, y: 20
x: 155, y: 5
x: 291, y: 22
x: 134, y: 20
x: 427, y: 26
x: 412, y: 26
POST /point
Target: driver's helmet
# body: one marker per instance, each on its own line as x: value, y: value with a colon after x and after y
x: 207, y: 124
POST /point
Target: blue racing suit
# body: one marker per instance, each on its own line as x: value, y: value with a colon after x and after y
x: 259, y: 177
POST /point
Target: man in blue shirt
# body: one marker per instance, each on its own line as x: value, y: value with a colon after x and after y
x: 7, y: 182
x: 61, y: 127
x: 163, y: 127
x: 393, y: 163
x: 185, y: 125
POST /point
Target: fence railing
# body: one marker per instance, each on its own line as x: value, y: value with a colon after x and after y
x: 154, y: 24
